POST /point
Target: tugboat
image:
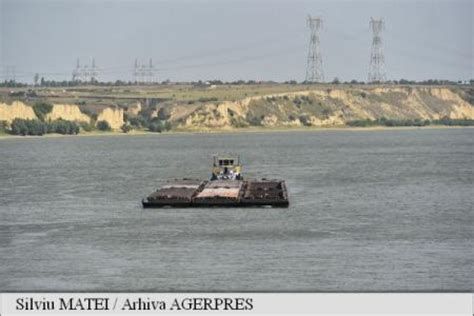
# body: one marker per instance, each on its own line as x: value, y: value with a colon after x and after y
x: 226, y: 168
x: 226, y: 188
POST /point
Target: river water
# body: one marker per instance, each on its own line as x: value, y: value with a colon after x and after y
x: 388, y: 210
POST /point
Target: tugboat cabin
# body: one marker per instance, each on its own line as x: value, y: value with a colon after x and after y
x: 226, y: 168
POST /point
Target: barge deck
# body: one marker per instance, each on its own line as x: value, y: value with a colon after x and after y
x: 219, y: 193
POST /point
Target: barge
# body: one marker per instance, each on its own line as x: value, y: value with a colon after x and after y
x: 226, y: 188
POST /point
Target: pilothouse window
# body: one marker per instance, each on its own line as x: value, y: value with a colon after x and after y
x: 226, y: 162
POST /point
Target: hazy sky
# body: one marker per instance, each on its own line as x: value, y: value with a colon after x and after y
x: 231, y: 40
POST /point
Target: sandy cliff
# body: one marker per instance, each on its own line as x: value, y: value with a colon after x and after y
x: 68, y: 112
x: 114, y: 116
x: 9, y: 112
x: 328, y: 107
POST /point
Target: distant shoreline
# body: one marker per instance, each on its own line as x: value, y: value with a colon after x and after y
x: 236, y: 131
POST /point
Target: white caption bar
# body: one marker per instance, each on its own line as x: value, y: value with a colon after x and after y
x: 235, y: 303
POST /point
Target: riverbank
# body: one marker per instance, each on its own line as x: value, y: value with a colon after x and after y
x: 235, y: 107
x: 250, y: 130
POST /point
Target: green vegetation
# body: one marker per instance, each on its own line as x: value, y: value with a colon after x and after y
x: 159, y: 126
x: 126, y: 128
x: 3, y: 127
x: 208, y: 99
x: 103, y: 126
x: 416, y: 122
x: 38, y: 128
x: 290, y: 108
x: 63, y: 127
x: 146, y: 120
x: 453, y: 122
x: 28, y: 127
x: 87, y: 127
x: 138, y: 122
x: 41, y: 109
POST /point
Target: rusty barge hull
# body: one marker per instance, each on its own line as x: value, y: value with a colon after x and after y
x: 219, y: 193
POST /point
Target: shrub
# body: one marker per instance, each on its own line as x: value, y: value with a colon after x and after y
x: 19, y: 127
x: 208, y: 99
x: 103, y: 126
x: 255, y: 121
x: 38, y: 128
x: 164, y: 114
x: 135, y: 121
x: 41, y: 109
x: 156, y: 127
x: 388, y: 122
x: 362, y: 123
x: 87, y: 127
x: 28, y: 127
x: 454, y: 122
x: 159, y: 126
x: 3, y: 126
x: 239, y: 122
x: 126, y: 128
x: 63, y: 127
x: 305, y: 120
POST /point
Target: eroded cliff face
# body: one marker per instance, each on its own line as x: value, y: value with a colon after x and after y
x: 113, y: 116
x: 134, y: 109
x: 327, y: 107
x: 68, y: 112
x: 331, y: 106
x: 224, y: 115
x: 9, y: 112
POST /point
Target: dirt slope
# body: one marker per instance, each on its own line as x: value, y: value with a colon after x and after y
x: 328, y: 107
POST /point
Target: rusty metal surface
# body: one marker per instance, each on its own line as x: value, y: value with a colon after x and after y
x: 172, y: 193
x: 264, y: 190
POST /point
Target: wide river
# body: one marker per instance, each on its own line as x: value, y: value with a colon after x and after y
x: 388, y: 210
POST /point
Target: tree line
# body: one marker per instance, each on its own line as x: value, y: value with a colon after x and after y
x: 70, y: 83
x: 410, y: 122
x: 38, y: 128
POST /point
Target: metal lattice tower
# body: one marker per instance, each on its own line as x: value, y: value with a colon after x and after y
x: 144, y: 73
x: 136, y: 71
x: 94, y: 72
x: 314, y: 67
x: 10, y: 74
x: 76, y: 73
x: 377, y: 59
x: 85, y: 73
x: 151, y: 71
